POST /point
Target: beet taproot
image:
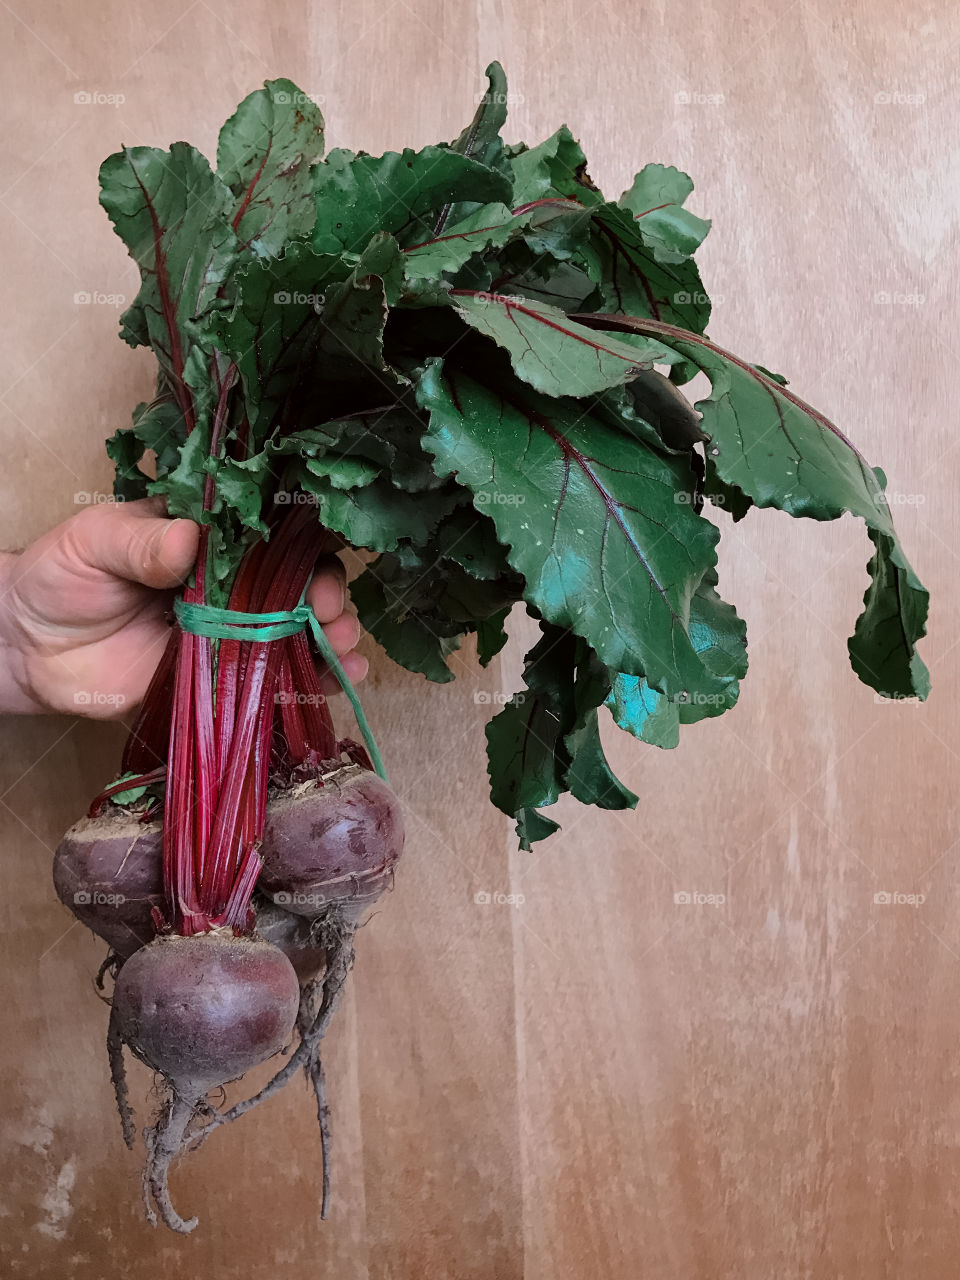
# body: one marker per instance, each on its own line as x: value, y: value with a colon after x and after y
x: 108, y: 871
x: 331, y: 841
x: 201, y: 1011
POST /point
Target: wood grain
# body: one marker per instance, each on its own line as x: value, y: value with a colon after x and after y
x: 600, y: 1082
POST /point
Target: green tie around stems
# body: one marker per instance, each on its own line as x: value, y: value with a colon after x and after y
x: 230, y: 624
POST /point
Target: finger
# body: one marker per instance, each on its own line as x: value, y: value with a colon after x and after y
x: 327, y: 592
x: 355, y: 666
x: 133, y: 544
x: 343, y: 633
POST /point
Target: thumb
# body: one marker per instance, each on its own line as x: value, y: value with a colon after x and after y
x: 132, y: 544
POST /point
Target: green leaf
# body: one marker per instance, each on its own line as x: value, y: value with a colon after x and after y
x: 547, y: 740
x: 358, y: 195
x: 555, y: 168
x: 379, y: 515
x: 171, y: 211
x: 549, y: 350
x: 590, y: 519
x: 589, y: 776
x: 491, y: 636
x: 527, y: 758
x: 633, y: 280
x: 388, y: 600
x: 533, y: 826
x: 781, y: 453
x: 275, y: 326
x: 264, y: 156
x: 481, y: 138
x: 125, y: 450
x: 656, y: 201
x: 350, y: 345
x: 720, y: 638
x: 419, y: 606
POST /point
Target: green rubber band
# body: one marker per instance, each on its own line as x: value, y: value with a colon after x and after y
x: 230, y: 624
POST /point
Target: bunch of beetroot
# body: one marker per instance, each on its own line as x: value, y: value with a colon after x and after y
x: 465, y: 360
x: 231, y: 921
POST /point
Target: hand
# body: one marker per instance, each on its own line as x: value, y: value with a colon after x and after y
x: 82, y: 610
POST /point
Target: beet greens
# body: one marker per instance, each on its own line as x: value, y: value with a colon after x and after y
x: 457, y: 355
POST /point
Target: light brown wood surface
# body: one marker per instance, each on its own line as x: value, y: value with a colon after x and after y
x: 598, y: 1083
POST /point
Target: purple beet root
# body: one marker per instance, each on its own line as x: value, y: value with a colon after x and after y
x: 108, y: 871
x: 293, y: 935
x: 334, y: 844
x: 201, y: 1010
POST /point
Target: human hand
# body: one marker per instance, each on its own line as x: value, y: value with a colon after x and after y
x: 82, y: 610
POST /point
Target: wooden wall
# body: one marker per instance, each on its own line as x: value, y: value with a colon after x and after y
x: 599, y: 1082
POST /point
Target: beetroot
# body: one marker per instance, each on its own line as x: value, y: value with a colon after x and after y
x: 108, y: 871
x: 201, y: 1010
x: 331, y: 844
x: 293, y: 935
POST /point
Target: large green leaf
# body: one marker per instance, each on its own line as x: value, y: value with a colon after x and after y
x: 358, y: 195
x: 264, y: 156
x: 590, y: 519
x: 172, y: 213
x: 549, y: 350
x: 781, y: 453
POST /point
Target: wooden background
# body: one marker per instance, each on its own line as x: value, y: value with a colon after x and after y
x: 598, y: 1082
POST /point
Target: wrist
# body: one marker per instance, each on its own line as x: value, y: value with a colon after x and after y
x: 16, y: 694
